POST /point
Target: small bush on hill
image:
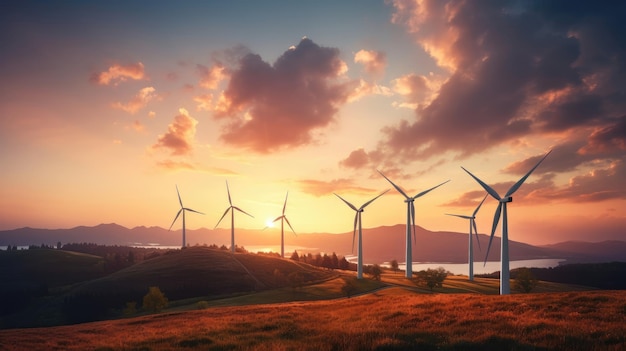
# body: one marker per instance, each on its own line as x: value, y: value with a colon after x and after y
x: 154, y: 300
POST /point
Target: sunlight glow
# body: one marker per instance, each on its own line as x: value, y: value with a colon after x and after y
x: 269, y: 223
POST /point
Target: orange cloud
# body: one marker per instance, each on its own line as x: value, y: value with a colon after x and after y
x: 172, y: 165
x: 138, y: 102
x: 211, y: 77
x: 277, y: 106
x: 374, y: 62
x: 180, y: 135
x: 322, y: 188
x: 118, y: 73
x: 204, y: 102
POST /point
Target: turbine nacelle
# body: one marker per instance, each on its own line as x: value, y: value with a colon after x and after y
x: 507, y: 199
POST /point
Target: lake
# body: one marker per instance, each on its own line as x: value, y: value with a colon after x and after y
x: 480, y: 267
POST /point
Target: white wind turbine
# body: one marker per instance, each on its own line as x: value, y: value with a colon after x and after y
x: 232, y: 219
x: 504, y: 242
x: 357, y: 220
x: 283, y: 218
x: 410, y: 220
x: 472, y: 225
x: 182, y: 210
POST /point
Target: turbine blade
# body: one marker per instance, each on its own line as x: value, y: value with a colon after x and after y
x: 372, y: 200
x: 347, y: 203
x: 289, y: 224
x: 478, y: 208
x: 277, y: 218
x: 413, y: 222
x: 394, y: 185
x: 224, y: 215
x: 356, y: 218
x: 460, y: 216
x: 242, y: 211
x: 427, y: 191
x: 189, y: 209
x: 476, y: 233
x: 496, y: 219
x: 179, y: 200
x: 228, y: 191
x: 521, y: 181
x: 285, y: 205
x: 485, y: 186
x: 175, y: 218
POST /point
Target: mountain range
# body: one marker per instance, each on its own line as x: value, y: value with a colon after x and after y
x: 380, y: 244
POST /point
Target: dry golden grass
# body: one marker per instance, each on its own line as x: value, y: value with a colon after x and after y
x: 390, y: 319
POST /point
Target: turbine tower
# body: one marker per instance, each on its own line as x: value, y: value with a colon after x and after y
x: 410, y: 219
x: 232, y: 209
x: 357, y: 220
x: 182, y: 210
x: 472, y: 225
x: 504, y: 242
x: 283, y: 218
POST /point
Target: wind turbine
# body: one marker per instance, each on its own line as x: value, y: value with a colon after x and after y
x: 410, y: 219
x: 232, y: 219
x: 472, y: 222
x: 504, y: 242
x: 182, y: 210
x: 357, y: 219
x: 283, y: 218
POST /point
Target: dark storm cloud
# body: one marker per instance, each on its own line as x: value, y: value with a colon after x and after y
x: 516, y: 69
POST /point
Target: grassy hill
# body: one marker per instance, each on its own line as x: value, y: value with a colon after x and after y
x: 197, y: 272
x: 390, y: 319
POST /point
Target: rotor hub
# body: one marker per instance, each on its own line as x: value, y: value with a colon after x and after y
x: 507, y: 199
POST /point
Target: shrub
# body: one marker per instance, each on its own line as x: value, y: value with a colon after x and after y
x: 131, y: 308
x: 525, y: 281
x: 154, y: 300
x: 432, y: 278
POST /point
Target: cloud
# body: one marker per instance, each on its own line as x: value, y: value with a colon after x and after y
x: 323, y: 188
x: 118, y: 73
x: 172, y: 165
x: 210, y: 77
x: 513, y: 70
x: 597, y: 185
x: 279, y: 106
x: 180, y: 135
x: 374, y: 62
x: 204, y: 102
x: 139, y: 101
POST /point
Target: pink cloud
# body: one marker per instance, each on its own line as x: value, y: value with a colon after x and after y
x: 270, y: 107
x: 211, y: 77
x: 374, y: 62
x: 138, y: 102
x: 322, y: 188
x: 119, y: 73
x: 179, y: 138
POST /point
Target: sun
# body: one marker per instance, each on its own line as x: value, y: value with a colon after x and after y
x: 269, y: 223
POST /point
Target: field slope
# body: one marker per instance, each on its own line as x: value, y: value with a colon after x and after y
x: 391, y: 319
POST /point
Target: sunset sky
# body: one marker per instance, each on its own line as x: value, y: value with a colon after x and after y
x: 106, y: 106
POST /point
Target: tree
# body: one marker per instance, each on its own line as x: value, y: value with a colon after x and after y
x: 131, y: 308
x: 432, y: 278
x: 295, y: 257
x: 349, y: 288
x: 154, y: 300
x: 295, y: 279
x: 376, y: 272
x: 394, y: 265
x: 525, y: 281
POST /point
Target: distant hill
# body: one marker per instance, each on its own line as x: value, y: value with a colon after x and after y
x: 380, y: 244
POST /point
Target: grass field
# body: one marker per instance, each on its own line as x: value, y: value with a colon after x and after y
x: 389, y: 319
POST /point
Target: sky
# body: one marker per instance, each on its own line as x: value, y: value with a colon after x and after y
x: 107, y: 106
